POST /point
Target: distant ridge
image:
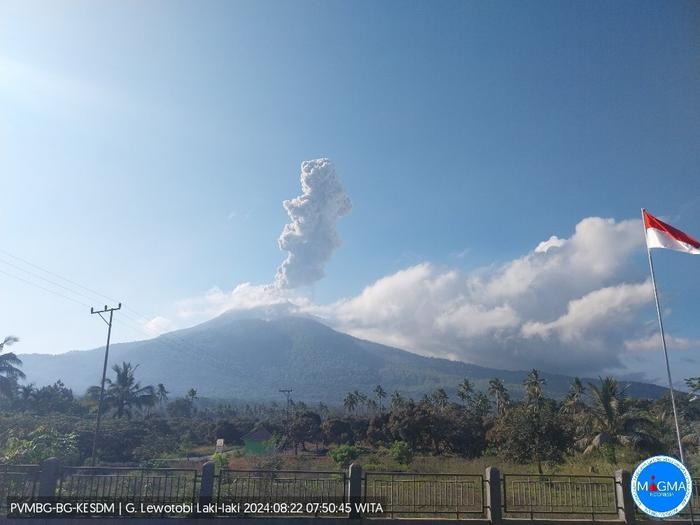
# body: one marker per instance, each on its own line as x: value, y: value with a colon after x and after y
x: 230, y: 357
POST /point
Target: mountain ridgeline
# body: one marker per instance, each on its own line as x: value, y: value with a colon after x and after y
x: 251, y: 359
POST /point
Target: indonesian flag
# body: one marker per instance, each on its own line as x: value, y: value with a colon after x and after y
x: 662, y: 235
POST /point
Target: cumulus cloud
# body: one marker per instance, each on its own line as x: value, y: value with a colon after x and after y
x: 158, y: 325
x: 311, y: 237
x: 571, y: 304
x: 567, y: 305
x: 653, y: 343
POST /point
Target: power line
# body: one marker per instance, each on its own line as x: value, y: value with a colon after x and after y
x: 135, y: 323
x: 55, y: 275
x: 44, y: 288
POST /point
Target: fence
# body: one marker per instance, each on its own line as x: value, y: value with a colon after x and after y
x: 282, y: 486
x: 164, y: 484
x: 489, y: 498
x: 17, y: 481
x: 564, y: 496
x: 425, y: 495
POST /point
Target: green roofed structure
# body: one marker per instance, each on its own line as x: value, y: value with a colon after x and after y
x: 258, y: 442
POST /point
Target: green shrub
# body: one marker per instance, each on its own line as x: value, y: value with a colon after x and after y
x: 344, y: 455
x: 220, y: 460
x: 401, y: 452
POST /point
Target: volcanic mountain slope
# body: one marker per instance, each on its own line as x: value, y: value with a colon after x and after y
x: 251, y: 359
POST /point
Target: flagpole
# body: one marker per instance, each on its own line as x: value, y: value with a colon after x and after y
x: 663, y: 343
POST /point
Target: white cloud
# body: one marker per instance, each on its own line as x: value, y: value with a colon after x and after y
x: 569, y: 305
x: 587, y: 315
x: 159, y: 325
x: 653, y: 343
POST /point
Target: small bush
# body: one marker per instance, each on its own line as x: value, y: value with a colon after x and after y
x: 220, y: 460
x: 344, y: 455
x: 401, y: 452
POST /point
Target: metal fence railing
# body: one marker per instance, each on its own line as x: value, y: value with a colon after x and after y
x: 296, y: 487
x: 566, y: 496
x: 164, y: 484
x: 424, y: 495
x: 18, y: 481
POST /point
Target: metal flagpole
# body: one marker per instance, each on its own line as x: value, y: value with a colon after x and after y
x: 668, y: 367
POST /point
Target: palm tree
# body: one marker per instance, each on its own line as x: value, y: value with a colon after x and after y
x: 613, y: 422
x: 381, y: 394
x: 9, y: 373
x: 161, y: 394
x: 465, y: 390
x: 372, y: 405
x: 439, y: 398
x: 534, y: 388
x: 574, y: 398
x: 397, y: 400
x: 360, y: 398
x: 350, y: 402
x: 124, y: 394
x: 27, y: 394
x: 498, y: 390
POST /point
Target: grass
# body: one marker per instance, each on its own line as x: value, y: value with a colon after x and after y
x: 381, y: 461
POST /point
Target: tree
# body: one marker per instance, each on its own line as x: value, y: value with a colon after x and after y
x: 573, y: 402
x: 524, y: 436
x: 465, y: 390
x: 381, y: 394
x: 9, y: 371
x: 344, y: 455
x: 397, y: 400
x: 161, y: 394
x: 498, y: 390
x: 44, y: 442
x: 337, y: 431
x: 360, y: 398
x: 305, y: 427
x: 350, y: 402
x: 614, y: 423
x: 401, y: 452
x: 124, y: 394
x: 191, y: 395
x: 534, y: 388
x: 439, y: 398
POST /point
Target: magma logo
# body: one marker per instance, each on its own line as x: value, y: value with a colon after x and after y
x: 661, y: 486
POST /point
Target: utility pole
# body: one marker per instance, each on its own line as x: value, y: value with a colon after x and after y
x: 104, y: 373
x: 288, y: 393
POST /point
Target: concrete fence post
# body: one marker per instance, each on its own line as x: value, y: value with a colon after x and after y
x: 48, y: 477
x: 206, y: 488
x: 623, y: 493
x: 494, y: 508
x: 355, y: 490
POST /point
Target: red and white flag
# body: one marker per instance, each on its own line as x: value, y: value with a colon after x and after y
x: 662, y: 235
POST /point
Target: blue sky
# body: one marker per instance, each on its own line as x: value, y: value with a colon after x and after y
x: 147, y: 147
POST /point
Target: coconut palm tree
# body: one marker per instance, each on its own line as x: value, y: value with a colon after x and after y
x: 614, y: 423
x: 573, y: 402
x: 124, y: 394
x: 498, y: 390
x: 534, y: 388
x: 381, y: 394
x: 397, y: 400
x: 350, y: 402
x: 465, y: 390
x: 9, y: 371
x: 439, y: 398
x: 161, y: 394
